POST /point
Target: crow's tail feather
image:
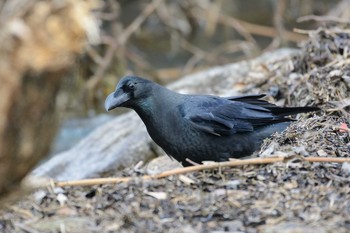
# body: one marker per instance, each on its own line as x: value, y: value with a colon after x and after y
x: 286, y: 111
x: 279, y: 111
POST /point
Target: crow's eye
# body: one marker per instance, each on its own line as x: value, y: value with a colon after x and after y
x: 131, y: 86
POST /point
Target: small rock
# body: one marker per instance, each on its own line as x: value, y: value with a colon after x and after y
x: 58, y: 190
x: 346, y: 168
x: 301, y: 150
x: 61, y: 198
x: 321, y: 153
x: 219, y: 192
x: 335, y: 73
x: 39, y: 196
x: 346, y: 79
x: 233, y: 184
x: 157, y: 195
x: 186, y: 180
x: 233, y: 226
x: 269, y: 151
x: 161, y: 164
x: 274, y: 91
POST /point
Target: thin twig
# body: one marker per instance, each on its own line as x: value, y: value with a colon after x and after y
x: 121, y: 40
x: 279, y: 26
x: 322, y: 19
x: 150, y: 8
x: 215, y: 55
x: 303, y: 31
x: 271, y: 32
x: 247, y: 29
x: 254, y: 161
x: 241, y: 29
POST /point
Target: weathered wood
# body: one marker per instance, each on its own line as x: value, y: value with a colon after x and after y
x: 124, y: 141
x: 37, y: 49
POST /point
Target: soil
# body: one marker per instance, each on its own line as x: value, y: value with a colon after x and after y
x: 293, y: 196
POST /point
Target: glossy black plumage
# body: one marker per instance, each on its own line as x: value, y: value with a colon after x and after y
x: 201, y: 127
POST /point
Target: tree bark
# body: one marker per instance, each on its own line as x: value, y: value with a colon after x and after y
x: 39, y: 42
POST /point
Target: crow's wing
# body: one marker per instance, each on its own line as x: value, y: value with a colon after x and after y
x: 220, y: 116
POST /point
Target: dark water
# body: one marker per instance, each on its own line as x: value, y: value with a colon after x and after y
x: 73, y: 130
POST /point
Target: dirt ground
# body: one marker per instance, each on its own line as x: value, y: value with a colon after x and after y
x: 293, y: 196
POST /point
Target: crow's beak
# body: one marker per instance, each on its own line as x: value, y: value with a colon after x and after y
x: 116, y: 99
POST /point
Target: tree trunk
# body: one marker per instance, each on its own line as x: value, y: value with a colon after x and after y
x: 39, y: 42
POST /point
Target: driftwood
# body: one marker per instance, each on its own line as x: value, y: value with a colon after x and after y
x: 37, y: 50
x: 124, y: 140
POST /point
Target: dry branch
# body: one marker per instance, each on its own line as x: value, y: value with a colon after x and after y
x: 120, y: 40
x: 234, y: 163
x: 319, y: 18
x: 247, y: 29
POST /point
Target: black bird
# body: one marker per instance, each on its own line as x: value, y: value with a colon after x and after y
x: 201, y: 127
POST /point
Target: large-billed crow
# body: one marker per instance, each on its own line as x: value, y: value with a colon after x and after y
x: 201, y: 127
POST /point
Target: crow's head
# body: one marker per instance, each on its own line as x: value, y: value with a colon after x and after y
x: 130, y: 92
